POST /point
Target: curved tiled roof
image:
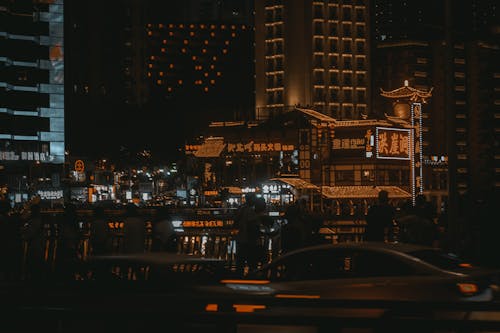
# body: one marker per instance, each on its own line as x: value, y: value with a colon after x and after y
x: 407, y: 92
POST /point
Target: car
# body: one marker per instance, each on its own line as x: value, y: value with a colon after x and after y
x: 371, y: 271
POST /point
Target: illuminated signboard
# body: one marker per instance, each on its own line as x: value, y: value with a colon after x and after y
x: 206, y: 223
x: 25, y: 156
x: 258, y: 147
x: 393, y: 143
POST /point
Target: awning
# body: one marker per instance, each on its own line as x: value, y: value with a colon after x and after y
x: 212, y: 147
x: 297, y: 183
x: 352, y: 192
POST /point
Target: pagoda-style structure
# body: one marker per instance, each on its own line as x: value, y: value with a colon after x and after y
x: 407, y: 106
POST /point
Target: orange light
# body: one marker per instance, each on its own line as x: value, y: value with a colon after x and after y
x: 206, y: 74
x: 164, y: 41
x: 233, y: 34
x: 152, y: 57
x: 212, y: 307
x: 206, y: 42
x: 247, y: 308
x: 214, y: 58
x: 223, y: 27
x: 212, y: 66
x: 233, y: 27
x: 294, y: 296
x: 204, y: 50
x: 465, y: 265
x: 191, y: 26
x: 219, y: 73
x: 163, y: 50
x: 149, y: 74
x: 161, y: 73
x: 186, y: 41
x: 202, y: 26
x: 468, y: 288
x: 160, y: 25
x: 206, y: 89
x: 191, y: 33
x: 193, y: 57
x: 170, y: 33
x: 226, y: 42
x: 224, y: 51
x: 149, y: 33
x: 180, y: 81
x: 183, y: 50
x: 245, y: 281
x: 170, y: 25
x: 158, y: 81
x: 212, y: 34
x: 150, y: 65
x: 181, y: 25
x: 171, y: 66
x: 169, y: 89
x: 212, y: 81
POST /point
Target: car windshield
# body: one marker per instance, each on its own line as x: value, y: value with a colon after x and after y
x: 443, y: 260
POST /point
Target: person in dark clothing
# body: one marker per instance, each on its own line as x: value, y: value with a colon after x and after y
x: 297, y: 232
x: 99, y: 232
x: 68, y: 255
x: 380, y: 219
x: 33, y: 234
x: 164, y: 236
x: 246, y: 224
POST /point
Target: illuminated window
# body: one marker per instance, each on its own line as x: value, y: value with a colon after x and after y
x: 158, y: 81
x: 212, y: 34
x: 183, y: 50
x: 191, y: 26
x: 150, y: 65
x: 180, y: 81
x: 181, y: 26
x: 206, y: 42
x: 149, y: 25
x: 169, y: 89
x: 186, y: 41
x: 224, y: 51
x: 193, y: 57
x: 149, y: 33
x: 206, y: 74
x: 152, y: 57
x: 233, y: 27
x: 170, y: 33
x: 202, y: 26
x: 160, y: 25
x: 223, y: 27
x: 191, y: 33
x: 243, y: 27
x: 163, y: 50
x: 219, y: 73
x: 171, y: 66
x: 233, y: 34
x: 212, y: 66
x: 214, y: 58
x: 226, y: 42
x: 212, y: 26
x: 149, y: 74
x: 212, y: 81
x: 170, y: 25
x: 206, y: 89
x: 204, y: 50
x: 161, y: 73
x: 164, y: 41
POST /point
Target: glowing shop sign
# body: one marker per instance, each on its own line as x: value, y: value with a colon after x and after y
x: 258, y: 147
x: 349, y: 143
x: 203, y: 224
x: 25, y: 156
x: 393, y: 143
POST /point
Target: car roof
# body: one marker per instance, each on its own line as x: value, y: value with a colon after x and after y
x: 378, y: 246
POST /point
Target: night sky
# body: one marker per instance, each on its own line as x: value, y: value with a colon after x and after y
x: 103, y: 116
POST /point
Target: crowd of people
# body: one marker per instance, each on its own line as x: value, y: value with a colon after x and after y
x: 36, y: 246
x: 25, y: 253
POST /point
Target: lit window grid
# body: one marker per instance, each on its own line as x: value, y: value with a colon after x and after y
x: 189, y: 41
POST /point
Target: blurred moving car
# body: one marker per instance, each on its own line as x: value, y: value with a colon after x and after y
x: 371, y: 271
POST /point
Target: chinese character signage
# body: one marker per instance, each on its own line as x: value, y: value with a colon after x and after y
x: 393, y: 143
x: 252, y: 147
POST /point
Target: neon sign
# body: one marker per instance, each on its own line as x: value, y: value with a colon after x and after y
x: 393, y: 143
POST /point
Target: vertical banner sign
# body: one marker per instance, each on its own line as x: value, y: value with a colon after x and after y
x: 417, y: 147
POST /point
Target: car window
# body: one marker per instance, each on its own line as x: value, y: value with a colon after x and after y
x: 372, y: 264
x: 311, y: 265
x: 440, y: 259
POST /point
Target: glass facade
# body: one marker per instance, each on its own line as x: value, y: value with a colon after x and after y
x: 32, y: 82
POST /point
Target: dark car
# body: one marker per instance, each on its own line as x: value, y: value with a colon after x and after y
x: 371, y: 271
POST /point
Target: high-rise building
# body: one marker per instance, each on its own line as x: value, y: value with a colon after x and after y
x: 313, y: 53
x: 31, y: 87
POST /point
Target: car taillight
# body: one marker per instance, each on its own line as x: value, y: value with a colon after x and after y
x: 467, y: 289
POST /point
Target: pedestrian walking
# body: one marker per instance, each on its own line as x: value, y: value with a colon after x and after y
x: 246, y: 224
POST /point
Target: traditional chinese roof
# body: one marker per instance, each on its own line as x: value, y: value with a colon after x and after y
x: 408, y: 92
x: 297, y: 183
x: 363, y: 191
x: 316, y: 115
x: 212, y: 147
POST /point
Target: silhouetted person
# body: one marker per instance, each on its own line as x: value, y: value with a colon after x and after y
x: 418, y: 226
x: 134, y: 233
x: 68, y: 254
x: 10, y: 243
x: 297, y: 232
x: 246, y: 222
x: 164, y: 236
x: 99, y: 237
x: 33, y: 234
x: 379, y: 220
